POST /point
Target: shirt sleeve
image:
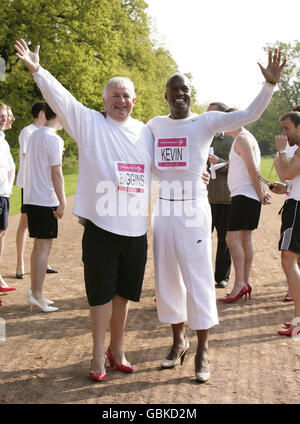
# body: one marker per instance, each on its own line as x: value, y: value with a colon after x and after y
x: 72, y: 114
x: 220, y: 121
x: 55, y: 151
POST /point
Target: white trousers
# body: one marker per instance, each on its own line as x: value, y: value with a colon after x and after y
x: 184, y: 280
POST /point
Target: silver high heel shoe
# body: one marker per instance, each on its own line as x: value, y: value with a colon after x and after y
x: 201, y: 376
x: 170, y: 363
x: 49, y: 302
x: 32, y: 301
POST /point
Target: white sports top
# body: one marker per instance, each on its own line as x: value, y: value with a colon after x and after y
x: 44, y: 150
x: 239, y: 181
x: 182, y: 145
x: 114, y: 162
x: 23, y: 141
x: 6, y: 164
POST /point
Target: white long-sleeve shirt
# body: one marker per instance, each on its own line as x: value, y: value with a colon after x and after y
x: 7, y: 166
x: 114, y: 162
x: 182, y: 145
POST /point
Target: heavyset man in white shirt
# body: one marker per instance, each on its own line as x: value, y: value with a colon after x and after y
x: 182, y: 219
x: 7, y: 175
x: 112, y: 194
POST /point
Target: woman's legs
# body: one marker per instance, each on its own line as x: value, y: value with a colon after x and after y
x: 235, y: 244
x: 117, y: 325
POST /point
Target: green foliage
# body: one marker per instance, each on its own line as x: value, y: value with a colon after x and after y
x: 285, y: 97
x: 83, y: 43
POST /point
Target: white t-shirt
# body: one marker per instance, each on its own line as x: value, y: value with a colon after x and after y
x: 6, y: 164
x: 290, y: 150
x: 44, y: 150
x: 239, y: 181
x: 181, y: 146
x: 23, y: 141
x: 114, y: 162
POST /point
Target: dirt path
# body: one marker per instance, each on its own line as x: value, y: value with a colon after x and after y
x: 46, y: 358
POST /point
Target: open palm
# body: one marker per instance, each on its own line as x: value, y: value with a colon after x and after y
x: 30, y: 59
x: 273, y: 71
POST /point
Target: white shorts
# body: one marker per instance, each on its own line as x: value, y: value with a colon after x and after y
x: 185, y: 289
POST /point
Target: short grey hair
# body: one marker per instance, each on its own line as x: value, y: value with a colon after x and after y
x: 121, y: 81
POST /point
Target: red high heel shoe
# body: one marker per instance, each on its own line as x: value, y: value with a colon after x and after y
x: 119, y: 367
x: 97, y: 376
x: 6, y: 289
x: 289, y: 332
x: 243, y: 292
x: 249, y: 289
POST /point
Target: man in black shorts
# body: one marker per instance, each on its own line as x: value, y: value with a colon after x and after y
x: 289, y: 242
x: 45, y: 201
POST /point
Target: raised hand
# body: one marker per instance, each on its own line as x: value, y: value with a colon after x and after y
x: 30, y: 59
x: 273, y: 71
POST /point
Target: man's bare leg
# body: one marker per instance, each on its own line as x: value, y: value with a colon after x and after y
x: 39, y: 261
x: 117, y: 325
x: 20, y: 242
x: 100, y: 318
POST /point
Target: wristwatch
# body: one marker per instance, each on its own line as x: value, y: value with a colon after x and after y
x: 281, y: 151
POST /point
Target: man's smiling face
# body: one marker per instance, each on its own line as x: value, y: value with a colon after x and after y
x: 179, y: 95
x: 119, y: 102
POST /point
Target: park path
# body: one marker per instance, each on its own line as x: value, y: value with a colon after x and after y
x: 46, y: 358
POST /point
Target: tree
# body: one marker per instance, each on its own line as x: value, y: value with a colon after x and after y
x: 286, y: 96
x: 83, y: 44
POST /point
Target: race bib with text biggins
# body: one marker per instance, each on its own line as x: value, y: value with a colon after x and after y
x: 172, y: 153
x: 130, y: 177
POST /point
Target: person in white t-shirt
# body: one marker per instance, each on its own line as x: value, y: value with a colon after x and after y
x: 39, y: 119
x: 7, y: 175
x: 182, y: 218
x: 115, y: 153
x: 45, y: 200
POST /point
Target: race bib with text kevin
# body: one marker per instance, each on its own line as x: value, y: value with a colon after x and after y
x: 171, y: 153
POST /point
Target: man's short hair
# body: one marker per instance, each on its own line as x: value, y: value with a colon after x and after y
x: 296, y: 108
x: 293, y: 116
x: 3, y: 106
x: 220, y: 106
x: 179, y: 75
x: 121, y: 81
x: 37, y: 107
x: 49, y: 112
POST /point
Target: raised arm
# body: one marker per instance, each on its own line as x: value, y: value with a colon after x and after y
x: 220, y: 121
x: 68, y: 109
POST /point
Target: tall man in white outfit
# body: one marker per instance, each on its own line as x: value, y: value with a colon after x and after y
x: 115, y: 153
x: 44, y: 200
x: 182, y: 218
